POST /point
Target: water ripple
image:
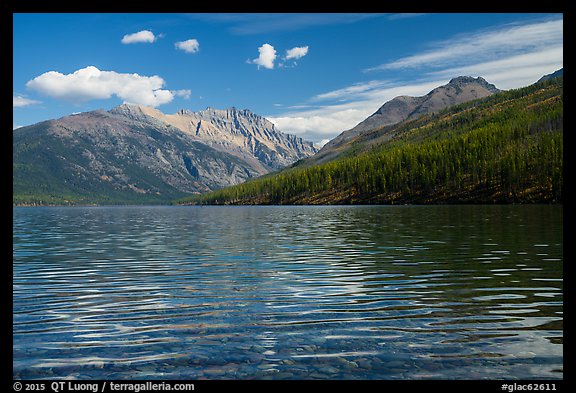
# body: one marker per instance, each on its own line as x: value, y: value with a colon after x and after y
x: 288, y: 292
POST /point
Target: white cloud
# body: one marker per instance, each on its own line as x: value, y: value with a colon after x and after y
x: 91, y: 83
x: 145, y: 36
x: 514, y: 71
x: 350, y: 92
x: 266, y: 57
x: 189, y: 46
x: 19, y: 101
x: 322, y: 143
x: 296, y: 52
x: 328, y: 121
x: 185, y: 93
x: 509, y: 56
x: 485, y: 45
x: 323, y: 123
x: 263, y: 23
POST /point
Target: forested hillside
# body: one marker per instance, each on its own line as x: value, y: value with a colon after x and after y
x: 507, y: 148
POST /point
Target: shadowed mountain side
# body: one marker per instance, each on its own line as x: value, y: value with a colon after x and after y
x: 458, y: 90
x: 506, y: 148
x: 556, y: 74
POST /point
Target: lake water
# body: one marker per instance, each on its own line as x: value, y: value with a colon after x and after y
x: 388, y: 292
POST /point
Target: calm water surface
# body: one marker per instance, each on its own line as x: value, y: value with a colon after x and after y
x: 407, y: 292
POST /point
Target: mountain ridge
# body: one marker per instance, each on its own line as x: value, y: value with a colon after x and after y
x: 125, y: 155
x: 458, y: 90
x: 240, y: 132
x: 555, y: 74
x: 505, y: 148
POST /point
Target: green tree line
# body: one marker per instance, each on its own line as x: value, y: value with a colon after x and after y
x: 507, y: 148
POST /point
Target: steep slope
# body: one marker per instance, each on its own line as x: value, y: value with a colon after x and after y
x: 103, y: 157
x: 556, y: 74
x: 506, y: 148
x: 241, y: 133
x: 126, y: 156
x: 458, y: 90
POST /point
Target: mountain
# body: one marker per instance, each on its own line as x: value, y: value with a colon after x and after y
x: 505, y: 148
x: 555, y: 74
x: 458, y: 90
x: 250, y: 137
x: 134, y: 154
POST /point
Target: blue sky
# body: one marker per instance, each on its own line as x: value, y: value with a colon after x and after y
x: 314, y: 75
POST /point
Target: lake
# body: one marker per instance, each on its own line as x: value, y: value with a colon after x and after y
x: 325, y: 292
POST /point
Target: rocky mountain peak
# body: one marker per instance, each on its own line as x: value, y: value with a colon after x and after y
x: 126, y: 109
x: 239, y: 132
x: 459, y: 90
x: 134, y: 151
x: 133, y: 112
x: 184, y: 112
x: 228, y: 112
x: 462, y: 81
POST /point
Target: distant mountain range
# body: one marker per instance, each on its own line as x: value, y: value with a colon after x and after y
x: 134, y: 154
